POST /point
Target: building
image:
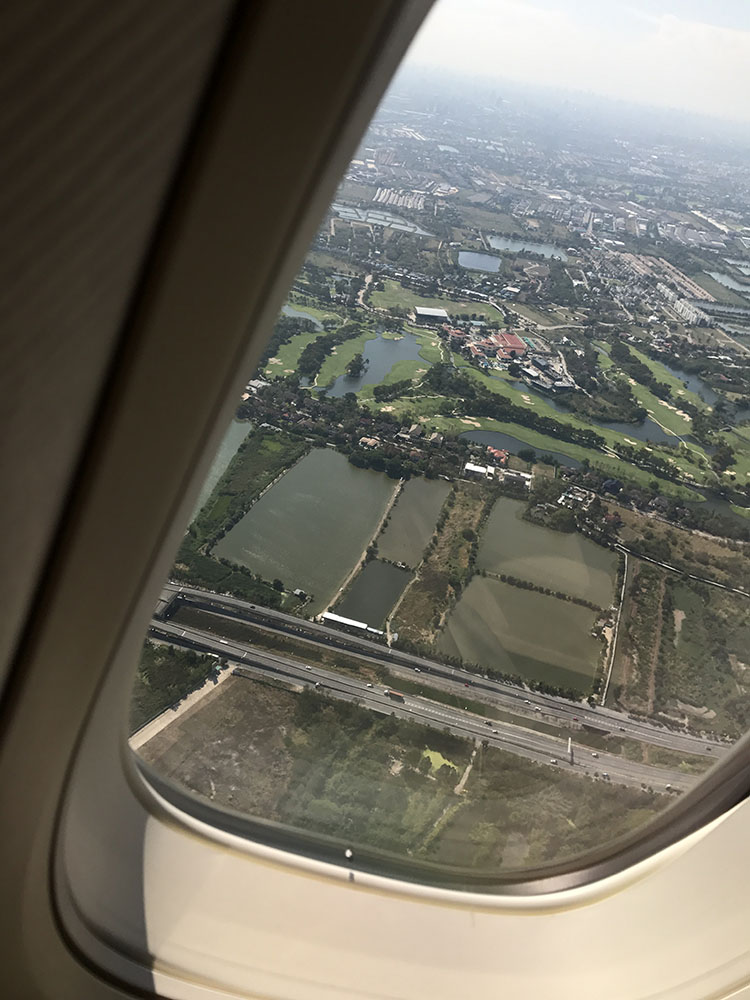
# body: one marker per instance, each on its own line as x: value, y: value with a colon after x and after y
x: 521, y: 478
x: 430, y: 317
x: 480, y: 471
x: 329, y: 616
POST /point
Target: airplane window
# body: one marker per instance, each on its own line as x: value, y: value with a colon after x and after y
x: 467, y: 587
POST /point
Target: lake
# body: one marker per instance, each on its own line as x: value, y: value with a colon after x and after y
x: 507, y: 442
x: 312, y: 526
x: 235, y: 435
x: 374, y: 592
x: 382, y: 353
x: 523, y: 632
x: 412, y: 520
x: 728, y: 281
x: 649, y: 430
x: 694, y: 383
x: 475, y: 261
x: 742, y: 266
x: 564, y: 561
x: 516, y: 246
x: 301, y: 314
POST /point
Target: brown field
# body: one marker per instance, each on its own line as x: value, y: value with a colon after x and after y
x: 703, y: 555
x: 235, y: 731
x: 426, y: 601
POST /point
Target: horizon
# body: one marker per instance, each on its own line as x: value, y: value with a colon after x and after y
x: 682, y: 56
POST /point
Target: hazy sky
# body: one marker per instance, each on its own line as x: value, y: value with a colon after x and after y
x: 688, y: 54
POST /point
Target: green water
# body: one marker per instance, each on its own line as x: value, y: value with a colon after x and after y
x: 312, y: 526
x: 523, y: 632
x: 562, y: 561
x: 413, y: 520
x: 373, y: 593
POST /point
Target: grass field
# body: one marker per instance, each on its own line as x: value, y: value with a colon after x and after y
x: 674, y: 383
x: 336, y: 362
x: 663, y: 414
x: 445, y: 566
x: 533, y: 314
x: 335, y: 769
x: 720, y: 292
x: 395, y: 295
x: 288, y: 356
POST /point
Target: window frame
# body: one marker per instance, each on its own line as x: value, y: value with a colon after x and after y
x: 100, y: 838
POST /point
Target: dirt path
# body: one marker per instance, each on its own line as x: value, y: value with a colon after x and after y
x: 458, y: 790
x: 363, y: 555
x: 363, y: 289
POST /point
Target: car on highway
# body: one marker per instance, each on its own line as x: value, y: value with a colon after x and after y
x: 496, y: 731
x: 553, y: 760
x: 368, y: 685
x: 307, y: 668
x: 594, y: 754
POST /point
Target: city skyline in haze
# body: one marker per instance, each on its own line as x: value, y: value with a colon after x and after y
x: 690, y: 55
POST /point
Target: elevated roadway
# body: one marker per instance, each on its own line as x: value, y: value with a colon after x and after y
x: 506, y: 697
x: 515, y: 738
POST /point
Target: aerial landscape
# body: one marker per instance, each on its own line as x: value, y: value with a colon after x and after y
x: 468, y: 583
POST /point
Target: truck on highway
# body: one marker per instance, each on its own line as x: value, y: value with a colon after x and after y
x: 395, y: 695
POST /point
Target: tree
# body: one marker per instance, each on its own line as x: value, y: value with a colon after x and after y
x: 356, y: 366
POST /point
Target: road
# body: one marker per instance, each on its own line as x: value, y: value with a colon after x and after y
x: 506, y: 697
x: 527, y: 743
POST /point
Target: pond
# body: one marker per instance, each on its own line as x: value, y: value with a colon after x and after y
x: 522, y: 632
x: 507, y: 442
x: 301, y: 314
x: 743, y: 266
x: 516, y: 246
x: 728, y: 281
x: 312, y: 526
x: 564, y: 561
x: 476, y: 261
x: 412, y: 520
x: 381, y: 353
x: 235, y: 435
x: 694, y: 383
x: 374, y: 592
x: 649, y: 430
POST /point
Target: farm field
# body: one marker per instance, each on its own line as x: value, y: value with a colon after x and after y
x: 395, y: 295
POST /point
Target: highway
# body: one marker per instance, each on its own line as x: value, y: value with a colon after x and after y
x: 536, y: 746
x: 506, y: 697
